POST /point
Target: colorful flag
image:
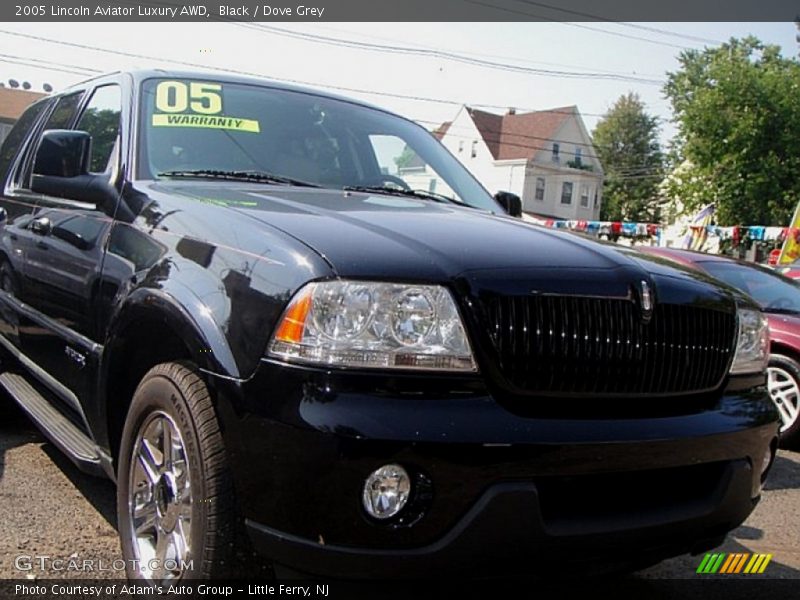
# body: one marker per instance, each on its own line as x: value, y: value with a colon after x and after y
x: 697, y: 235
x: 790, y: 251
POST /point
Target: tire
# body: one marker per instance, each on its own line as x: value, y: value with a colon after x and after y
x: 183, y: 506
x: 783, y: 382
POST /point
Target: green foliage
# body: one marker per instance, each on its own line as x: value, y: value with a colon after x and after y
x: 103, y: 126
x: 737, y: 108
x: 626, y: 139
x: 405, y: 159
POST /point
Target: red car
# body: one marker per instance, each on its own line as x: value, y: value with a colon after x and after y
x: 779, y: 298
x: 791, y: 270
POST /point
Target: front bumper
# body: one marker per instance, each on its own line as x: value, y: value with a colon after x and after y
x: 495, y: 490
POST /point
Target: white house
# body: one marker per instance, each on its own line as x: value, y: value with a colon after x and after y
x: 546, y: 157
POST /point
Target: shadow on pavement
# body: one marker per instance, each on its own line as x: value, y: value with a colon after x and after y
x: 16, y: 429
x: 785, y: 474
x: 99, y: 492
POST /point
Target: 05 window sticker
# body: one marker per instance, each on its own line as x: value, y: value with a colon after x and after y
x: 196, y: 104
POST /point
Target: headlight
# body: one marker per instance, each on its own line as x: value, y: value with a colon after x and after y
x: 752, y: 347
x: 376, y: 325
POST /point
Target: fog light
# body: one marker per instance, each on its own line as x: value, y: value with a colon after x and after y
x: 386, y: 491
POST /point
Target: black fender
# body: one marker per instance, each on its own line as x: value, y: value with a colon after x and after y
x: 178, y: 310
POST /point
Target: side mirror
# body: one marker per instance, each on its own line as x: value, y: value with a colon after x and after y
x: 63, y: 153
x: 511, y: 203
x: 41, y: 226
x: 61, y: 169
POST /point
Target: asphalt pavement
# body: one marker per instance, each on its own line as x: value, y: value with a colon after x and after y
x: 48, y: 508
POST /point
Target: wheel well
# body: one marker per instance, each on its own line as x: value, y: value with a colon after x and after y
x: 143, y: 345
x: 778, y: 348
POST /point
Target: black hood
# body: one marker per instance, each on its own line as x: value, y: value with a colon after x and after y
x: 391, y: 237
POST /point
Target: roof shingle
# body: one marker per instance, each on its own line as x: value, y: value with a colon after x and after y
x: 515, y: 136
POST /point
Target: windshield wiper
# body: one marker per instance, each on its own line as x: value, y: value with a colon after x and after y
x: 395, y: 191
x: 256, y: 176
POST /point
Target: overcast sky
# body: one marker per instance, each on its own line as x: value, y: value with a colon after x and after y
x: 634, y: 50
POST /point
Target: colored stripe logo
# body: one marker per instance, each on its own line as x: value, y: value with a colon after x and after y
x: 733, y: 564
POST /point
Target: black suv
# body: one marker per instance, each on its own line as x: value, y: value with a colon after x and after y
x: 241, y: 301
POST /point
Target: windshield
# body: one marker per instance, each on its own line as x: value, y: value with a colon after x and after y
x: 773, y: 292
x: 231, y: 128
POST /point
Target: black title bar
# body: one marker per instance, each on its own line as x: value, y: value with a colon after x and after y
x: 402, y: 10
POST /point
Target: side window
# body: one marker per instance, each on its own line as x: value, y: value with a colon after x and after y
x: 13, y: 142
x: 101, y: 120
x: 81, y: 231
x: 62, y: 117
x: 64, y: 112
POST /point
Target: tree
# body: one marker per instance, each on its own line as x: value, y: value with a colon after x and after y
x: 737, y: 108
x: 406, y: 158
x: 627, y: 145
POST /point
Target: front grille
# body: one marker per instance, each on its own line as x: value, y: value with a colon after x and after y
x: 602, y: 346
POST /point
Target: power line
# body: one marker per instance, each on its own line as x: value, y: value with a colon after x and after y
x: 486, y: 131
x: 98, y: 49
x: 498, y: 133
x: 578, y: 25
x: 36, y: 66
x: 262, y: 75
x: 593, y: 17
x: 446, y: 55
x: 40, y: 61
x: 484, y: 54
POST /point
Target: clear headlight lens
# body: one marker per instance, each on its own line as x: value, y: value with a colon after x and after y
x: 377, y: 325
x: 752, y: 347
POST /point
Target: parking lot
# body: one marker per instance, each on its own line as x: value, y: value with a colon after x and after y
x: 49, y: 508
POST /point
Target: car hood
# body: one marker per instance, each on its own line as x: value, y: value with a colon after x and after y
x: 372, y: 236
x: 785, y: 329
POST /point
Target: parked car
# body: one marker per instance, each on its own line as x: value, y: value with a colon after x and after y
x: 779, y: 298
x: 792, y: 270
x: 369, y: 380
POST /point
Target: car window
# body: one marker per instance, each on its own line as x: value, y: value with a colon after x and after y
x: 101, y: 120
x: 140, y: 249
x: 218, y: 126
x: 19, y: 132
x: 64, y: 113
x: 771, y: 290
x: 62, y: 117
x: 400, y: 165
x: 80, y: 230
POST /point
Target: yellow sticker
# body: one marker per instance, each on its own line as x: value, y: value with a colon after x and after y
x: 206, y: 122
x: 177, y: 97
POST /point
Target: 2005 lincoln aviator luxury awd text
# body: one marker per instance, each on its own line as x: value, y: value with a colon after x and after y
x: 225, y: 295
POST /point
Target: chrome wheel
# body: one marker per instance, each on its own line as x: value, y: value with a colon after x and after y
x: 785, y: 394
x: 160, y: 499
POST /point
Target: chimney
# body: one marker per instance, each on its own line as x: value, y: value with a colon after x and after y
x: 512, y: 111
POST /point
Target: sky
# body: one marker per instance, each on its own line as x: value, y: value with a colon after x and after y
x: 617, y: 57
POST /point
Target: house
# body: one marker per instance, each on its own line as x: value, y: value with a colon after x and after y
x: 545, y: 157
x: 13, y: 103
